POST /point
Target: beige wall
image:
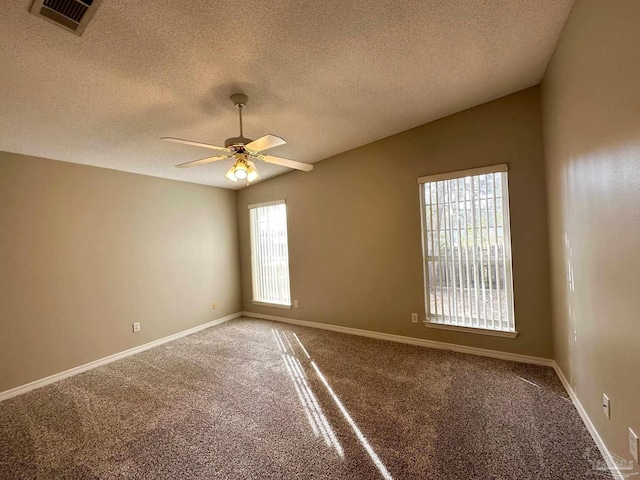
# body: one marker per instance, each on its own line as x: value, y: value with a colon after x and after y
x: 85, y: 252
x: 592, y: 144
x: 354, y: 225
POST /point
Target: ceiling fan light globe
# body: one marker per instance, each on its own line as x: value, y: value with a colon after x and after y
x: 230, y: 174
x: 240, y: 171
x: 252, y: 176
x: 252, y: 172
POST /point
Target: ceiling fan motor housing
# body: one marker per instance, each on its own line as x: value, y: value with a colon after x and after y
x: 237, y: 141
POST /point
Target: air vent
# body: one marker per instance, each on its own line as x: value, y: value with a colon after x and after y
x: 72, y: 15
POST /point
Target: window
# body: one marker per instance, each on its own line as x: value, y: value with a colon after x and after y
x: 270, y: 254
x: 467, y: 250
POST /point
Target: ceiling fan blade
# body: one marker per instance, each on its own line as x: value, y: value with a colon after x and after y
x: 265, y: 143
x: 195, y: 144
x: 286, y: 163
x: 202, y: 160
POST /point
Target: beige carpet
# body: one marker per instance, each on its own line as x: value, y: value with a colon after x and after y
x: 252, y: 399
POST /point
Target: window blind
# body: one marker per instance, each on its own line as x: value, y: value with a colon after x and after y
x: 467, y: 249
x: 270, y: 253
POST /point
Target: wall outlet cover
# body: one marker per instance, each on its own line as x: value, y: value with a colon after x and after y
x: 414, y: 318
x: 606, y: 408
x: 136, y: 327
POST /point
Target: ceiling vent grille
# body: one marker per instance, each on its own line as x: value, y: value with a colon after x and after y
x: 72, y: 15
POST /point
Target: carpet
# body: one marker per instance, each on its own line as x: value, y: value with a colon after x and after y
x: 252, y: 399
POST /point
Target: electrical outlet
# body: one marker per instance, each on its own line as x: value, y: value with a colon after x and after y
x: 215, y: 304
x: 295, y: 304
x: 136, y: 327
x: 606, y: 409
x: 414, y: 317
x: 633, y: 444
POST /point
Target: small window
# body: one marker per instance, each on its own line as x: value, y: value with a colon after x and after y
x: 467, y: 250
x: 270, y: 254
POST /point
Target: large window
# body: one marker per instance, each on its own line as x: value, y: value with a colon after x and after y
x: 467, y: 250
x: 270, y: 253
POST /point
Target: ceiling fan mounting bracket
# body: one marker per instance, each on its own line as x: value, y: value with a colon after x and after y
x: 239, y: 99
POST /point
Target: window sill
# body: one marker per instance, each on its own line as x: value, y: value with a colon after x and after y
x: 481, y: 331
x: 275, y: 305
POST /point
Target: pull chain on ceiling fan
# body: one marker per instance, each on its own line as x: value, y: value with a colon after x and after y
x: 242, y: 149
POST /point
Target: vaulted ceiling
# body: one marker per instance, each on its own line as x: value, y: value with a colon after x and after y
x: 328, y: 76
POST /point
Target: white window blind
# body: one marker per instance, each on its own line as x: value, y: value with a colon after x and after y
x: 467, y: 249
x: 270, y: 253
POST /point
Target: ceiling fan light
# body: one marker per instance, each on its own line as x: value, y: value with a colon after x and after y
x: 252, y: 173
x: 240, y: 170
x: 230, y: 174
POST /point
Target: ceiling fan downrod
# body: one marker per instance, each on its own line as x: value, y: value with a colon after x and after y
x: 240, y: 101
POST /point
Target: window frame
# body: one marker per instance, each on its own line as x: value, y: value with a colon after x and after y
x: 507, y: 251
x: 263, y: 302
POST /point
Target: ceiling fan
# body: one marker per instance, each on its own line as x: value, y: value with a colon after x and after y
x: 241, y: 149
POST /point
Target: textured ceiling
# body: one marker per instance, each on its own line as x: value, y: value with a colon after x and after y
x: 327, y: 76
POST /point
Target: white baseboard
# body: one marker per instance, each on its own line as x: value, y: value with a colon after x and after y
x: 111, y: 358
x: 470, y: 350
x: 352, y: 331
x: 604, y: 451
x: 514, y: 357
